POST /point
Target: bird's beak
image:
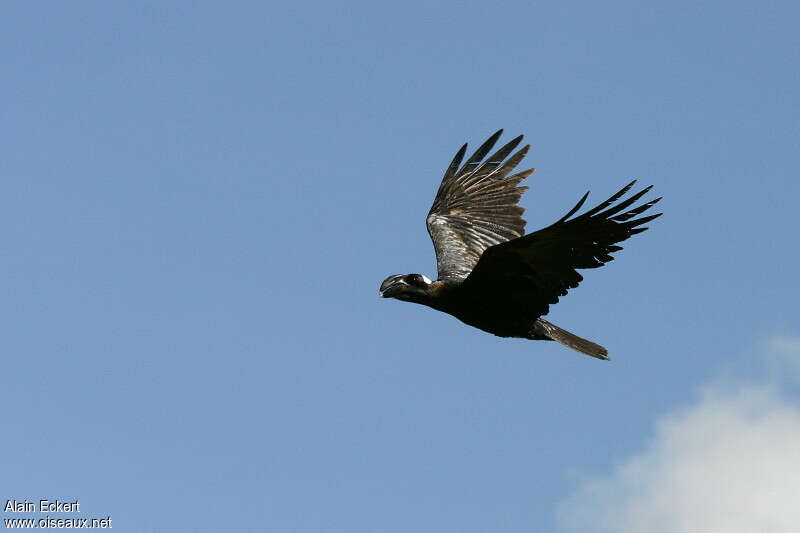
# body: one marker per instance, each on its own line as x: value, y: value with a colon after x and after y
x: 390, y: 288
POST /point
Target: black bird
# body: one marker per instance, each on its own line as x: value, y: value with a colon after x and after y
x: 494, y: 277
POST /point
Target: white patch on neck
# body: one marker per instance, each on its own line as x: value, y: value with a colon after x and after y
x: 425, y: 279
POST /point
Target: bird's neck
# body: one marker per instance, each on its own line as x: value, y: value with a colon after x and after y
x: 436, y: 295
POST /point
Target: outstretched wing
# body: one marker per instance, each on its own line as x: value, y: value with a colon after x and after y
x: 531, y: 272
x: 476, y: 207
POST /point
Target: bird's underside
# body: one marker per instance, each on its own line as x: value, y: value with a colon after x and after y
x: 493, y: 276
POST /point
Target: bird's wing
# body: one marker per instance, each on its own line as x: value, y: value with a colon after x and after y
x: 531, y: 272
x: 476, y: 207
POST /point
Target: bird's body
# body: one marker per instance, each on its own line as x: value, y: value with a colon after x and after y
x: 477, y: 308
x: 494, y: 277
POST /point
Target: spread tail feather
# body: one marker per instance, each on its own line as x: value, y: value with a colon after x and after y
x: 570, y: 340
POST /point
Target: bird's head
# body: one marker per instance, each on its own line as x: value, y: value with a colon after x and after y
x: 408, y: 287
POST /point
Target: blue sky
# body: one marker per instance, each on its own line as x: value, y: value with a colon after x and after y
x: 200, y: 201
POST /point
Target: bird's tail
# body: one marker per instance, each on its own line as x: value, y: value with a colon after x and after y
x: 570, y: 340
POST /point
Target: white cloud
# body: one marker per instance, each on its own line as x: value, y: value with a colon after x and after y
x: 730, y: 463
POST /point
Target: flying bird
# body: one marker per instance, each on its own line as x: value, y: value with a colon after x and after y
x: 493, y: 276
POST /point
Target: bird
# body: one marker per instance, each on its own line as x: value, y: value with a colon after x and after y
x: 493, y: 276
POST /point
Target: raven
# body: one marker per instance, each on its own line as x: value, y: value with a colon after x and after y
x: 490, y: 274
